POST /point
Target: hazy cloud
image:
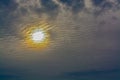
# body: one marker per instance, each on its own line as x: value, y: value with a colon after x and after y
x: 81, y: 42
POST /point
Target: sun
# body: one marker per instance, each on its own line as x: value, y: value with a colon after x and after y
x: 38, y: 36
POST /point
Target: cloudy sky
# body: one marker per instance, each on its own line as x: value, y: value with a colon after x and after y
x: 84, y: 40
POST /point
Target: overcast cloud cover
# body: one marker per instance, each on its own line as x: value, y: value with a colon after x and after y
x: 85, y: 40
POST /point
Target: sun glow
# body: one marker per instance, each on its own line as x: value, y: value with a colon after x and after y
x: 36, y: 36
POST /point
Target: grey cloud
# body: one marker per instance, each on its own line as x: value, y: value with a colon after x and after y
x: 7, y: 17
x: 38, y: 7
x: 94, y: 74
x: 74, y: 5
x: 49, y: 5
x: 102, y: 6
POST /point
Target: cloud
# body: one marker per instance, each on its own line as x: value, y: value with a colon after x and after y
x: 96, y: 75
x: 80, y: 40
x: 75, y: 5
x: 6, y: 8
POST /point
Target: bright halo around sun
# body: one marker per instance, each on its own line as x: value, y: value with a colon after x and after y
x: 36, y: 36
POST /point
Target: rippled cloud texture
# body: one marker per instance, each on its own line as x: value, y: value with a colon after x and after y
x: 84, y: 41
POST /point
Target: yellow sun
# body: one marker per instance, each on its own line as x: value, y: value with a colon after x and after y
x: 36, y: 36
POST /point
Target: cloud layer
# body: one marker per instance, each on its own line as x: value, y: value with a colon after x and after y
x: 85, y: 37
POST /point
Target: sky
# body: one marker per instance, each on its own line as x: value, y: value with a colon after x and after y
x: 84, y: 40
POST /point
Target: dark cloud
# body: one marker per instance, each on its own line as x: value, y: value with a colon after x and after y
x: 8, y: 74
x: 74, y: 5
x: 98, y: 2
x: 7, y: 8
x: 96, y: 75
x: 8, y: 4
x: 102, y: 6
x: 49, y: 5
